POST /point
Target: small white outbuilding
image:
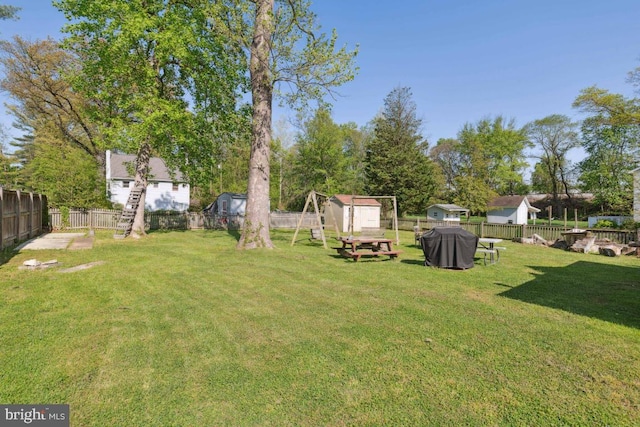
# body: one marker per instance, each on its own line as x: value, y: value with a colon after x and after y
x: 228, y: 204
x: 366, y: 212
x: 446, y: 212
x: 510, y: 210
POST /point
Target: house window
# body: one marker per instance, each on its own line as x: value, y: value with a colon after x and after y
x: 125, y: 184
x: 155, y: 185
x: 435, y: 214
x: 175, y: 187
x: 224, y: 207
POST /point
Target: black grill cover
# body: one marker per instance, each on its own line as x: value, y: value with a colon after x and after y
x: 449, y: 247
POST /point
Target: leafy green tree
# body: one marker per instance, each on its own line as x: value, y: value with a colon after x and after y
x: 8, y: 12
x: 355, y: 151
x: 8, y: 169
x: 162, y: 78
x: 448, y: 156
x: 541, y: 182
x: 36, y: 78
x: 612, y: 108
x: 612, y: 153
x: 66, y: 174
x: 320, y: 163
x: 287, y: 58
x: 610, y: 138
x: 492, y: 163
x: 553, y: 136
x: 397, y: 163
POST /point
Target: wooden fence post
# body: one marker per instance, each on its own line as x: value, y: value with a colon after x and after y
x: 18, y: 215
x: 29, y: 215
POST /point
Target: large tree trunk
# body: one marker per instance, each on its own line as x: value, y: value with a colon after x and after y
x: 141, y: 180
x: 255, y: 232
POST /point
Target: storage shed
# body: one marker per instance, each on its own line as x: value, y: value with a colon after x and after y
x: 446, y: 212
x: 510, y: 210
x: 366, y: 212
x: 228, y: 204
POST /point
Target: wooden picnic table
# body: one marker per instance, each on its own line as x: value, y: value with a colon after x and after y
x: 357, y: 247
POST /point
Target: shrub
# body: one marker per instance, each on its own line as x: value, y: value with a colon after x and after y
x: 630, y: 224
x: 605, y: 223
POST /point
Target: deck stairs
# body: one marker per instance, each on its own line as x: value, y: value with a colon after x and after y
x: 125, y: 223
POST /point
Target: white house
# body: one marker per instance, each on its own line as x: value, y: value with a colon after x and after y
x: 164, y: 192
x: 510, y: 210
x: 366, y: 212
x: 228, y: 204
x: 445, y: 212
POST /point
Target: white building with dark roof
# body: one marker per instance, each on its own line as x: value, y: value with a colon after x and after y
x: 510, y: 210
x: 165, y: 191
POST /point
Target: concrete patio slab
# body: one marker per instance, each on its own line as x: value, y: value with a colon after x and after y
x: 50, y: 241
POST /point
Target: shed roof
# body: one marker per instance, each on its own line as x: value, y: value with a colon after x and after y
x: 158, y: 170
x: 234, y: 195
x: 345, y: 199
x: 449, y: 207
x: 511, y: 202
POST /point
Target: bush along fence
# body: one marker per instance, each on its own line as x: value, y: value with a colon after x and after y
x: 23, y: 216
x: 107, y: 219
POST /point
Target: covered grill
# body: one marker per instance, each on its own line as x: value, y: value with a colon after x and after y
x: 449, y: 247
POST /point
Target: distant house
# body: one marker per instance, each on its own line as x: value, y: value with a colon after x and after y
x: 445, y: 212
x: 510, y: 210
x: 165, y: 191
x: 228, y: 204
x: 366, y: 212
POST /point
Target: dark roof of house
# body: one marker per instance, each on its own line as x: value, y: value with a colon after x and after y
x: 345, y: 199
x: 122, y: 163
x: 503, y: 202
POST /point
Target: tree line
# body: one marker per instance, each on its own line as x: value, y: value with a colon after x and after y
x: 172, y: 83
x: 168, y: 79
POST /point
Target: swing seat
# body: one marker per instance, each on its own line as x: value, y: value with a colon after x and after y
x: 316, y: 234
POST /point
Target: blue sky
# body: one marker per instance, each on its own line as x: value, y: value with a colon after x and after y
x: 463, y: 59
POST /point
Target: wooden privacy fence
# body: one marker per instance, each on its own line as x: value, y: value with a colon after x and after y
x: 22, y: 216
x: 514, y: 231
x: 107, y: 219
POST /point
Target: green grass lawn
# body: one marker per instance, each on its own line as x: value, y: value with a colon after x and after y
x: 181, y: 329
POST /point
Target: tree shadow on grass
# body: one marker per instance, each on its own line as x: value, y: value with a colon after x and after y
x: 605, y: 292
x: 6, y: 254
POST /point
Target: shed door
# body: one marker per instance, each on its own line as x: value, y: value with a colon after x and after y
x: 365, y: 216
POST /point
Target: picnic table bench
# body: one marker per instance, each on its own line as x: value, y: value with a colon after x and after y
x: 486, y: 246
